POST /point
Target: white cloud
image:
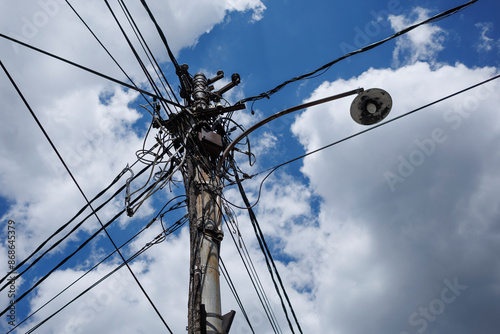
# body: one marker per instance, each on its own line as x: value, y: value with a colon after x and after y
x: 421, y: 44
x: 486, y: 43
x: 348, y: 245
x: 384, y: 248
x: 92, y: 134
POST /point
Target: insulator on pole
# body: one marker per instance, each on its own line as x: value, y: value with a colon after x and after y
x: 200, y: 95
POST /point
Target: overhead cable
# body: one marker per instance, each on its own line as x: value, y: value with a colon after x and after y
x: 364, y: 49
x: 272, y: 169
x: 105, y: 49
x: 102, y: 279
x: 81, y: 191
x: 90, y: 70
x: 251, y: 271
x: 269, y: 259
x: 59, y: 230
x: 147, y: 50
x: 230, y: 283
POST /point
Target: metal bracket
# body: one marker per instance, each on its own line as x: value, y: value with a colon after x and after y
x: 211, y: 141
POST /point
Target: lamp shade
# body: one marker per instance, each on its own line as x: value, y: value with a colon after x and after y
x: 371, y: 106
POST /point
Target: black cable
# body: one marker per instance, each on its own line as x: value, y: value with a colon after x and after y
x: 272, y: 169
x: 170, y: 230
x: 134, y: 51
x: 105, y: 49
x: 230, y: 283
x: 142, y: 42
x: 181, y: 71
x: 90, y: 70
x: 83, y: 194
x: 162, y: 36
x: 130, y: 259
x: 269, y: 258
x: 364, y: 49
x: 63, y: 227
x: 124, y: 6
x: 255, y: 279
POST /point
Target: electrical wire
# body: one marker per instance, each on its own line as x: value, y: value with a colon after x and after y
x: 105, y: 49
x: 269, y: 260
x: 169, y: 230
x: 162, y: 36
x: 251, y: 271
x: 364, y: 49
x: 134, y: 51
x: 230, y: 283
x: 81, y: 191
x: 75, y: 228
x: 148, y: 52
x: 157, y: 240
x: 90, y: 70
x: 272, y: 169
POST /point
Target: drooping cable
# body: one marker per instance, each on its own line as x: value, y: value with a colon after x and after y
x: 81, y: 191
x: 174, y: 227
x: 157, y: 240
x: 68, y: 257
x: 269, y: 259
x: 179, y: 70
x: 75, y: 228
x: 134, y: 51
x: 162, y: 36
x: 364, y: 49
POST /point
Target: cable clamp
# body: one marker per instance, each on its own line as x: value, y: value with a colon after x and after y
x: 130, y: 211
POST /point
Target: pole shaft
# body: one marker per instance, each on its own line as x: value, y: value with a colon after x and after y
x: 205, y: 236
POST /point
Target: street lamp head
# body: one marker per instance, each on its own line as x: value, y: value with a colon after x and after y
x: 371, y: 106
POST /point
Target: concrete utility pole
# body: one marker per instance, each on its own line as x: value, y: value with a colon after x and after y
x: 206, y: 146
x: 203, y: 190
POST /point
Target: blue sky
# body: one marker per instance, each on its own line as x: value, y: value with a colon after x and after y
x: 393, y: 231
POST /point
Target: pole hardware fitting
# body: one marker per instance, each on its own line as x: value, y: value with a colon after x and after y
x: 211, y: 142
x: 235, y: 81
x: 130, y: 211
x: 200, y: 91
x: 220, y: 75
x: 209, y: 229
x: 227, y: 320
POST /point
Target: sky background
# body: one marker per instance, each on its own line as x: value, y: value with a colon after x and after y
x: 394, y: 231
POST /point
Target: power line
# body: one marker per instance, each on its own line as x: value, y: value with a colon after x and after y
x: 130, y: 259
x: 134, y: 51
x: 174, y: 227
x: 230, y: 283
x: 19, y: 265
x: 148, y: 52
x: 364, y: 49
x: 89, y: 70
x: 272, y: 169
x: 251, y: 271
x: 81, y: 191
x: 269, y: 259
x: 105, y: 49
x: 181, y: 71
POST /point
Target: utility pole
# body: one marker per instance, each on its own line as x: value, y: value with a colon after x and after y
x: 204, y: 143
x: 199, y: 130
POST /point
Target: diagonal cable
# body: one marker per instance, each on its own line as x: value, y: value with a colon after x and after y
x: 364, y: 49
x: 81, y: 191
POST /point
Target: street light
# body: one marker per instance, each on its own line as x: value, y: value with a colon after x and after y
x: 369, y: 107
